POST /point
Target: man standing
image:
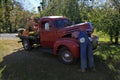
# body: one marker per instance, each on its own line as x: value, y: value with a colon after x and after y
x: 86, y: 53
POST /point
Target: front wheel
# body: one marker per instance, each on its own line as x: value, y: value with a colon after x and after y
x: 66, y: 56
x: 26, y: 44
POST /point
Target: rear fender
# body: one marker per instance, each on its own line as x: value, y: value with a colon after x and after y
x: 71, y: 44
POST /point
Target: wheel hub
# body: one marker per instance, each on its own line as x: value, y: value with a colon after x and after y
x: 67, y: 57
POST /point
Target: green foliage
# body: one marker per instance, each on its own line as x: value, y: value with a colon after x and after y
x: 12, y: 16
x: 105, y: 17
x: 67, y: 8
x: 108, y: 52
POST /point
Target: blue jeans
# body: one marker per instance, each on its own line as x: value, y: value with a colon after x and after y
x: 86, y: 54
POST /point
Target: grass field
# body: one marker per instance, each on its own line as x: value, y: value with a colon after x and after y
x: 17, y: 64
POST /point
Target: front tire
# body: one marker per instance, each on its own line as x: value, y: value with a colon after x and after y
x: 65, y: 56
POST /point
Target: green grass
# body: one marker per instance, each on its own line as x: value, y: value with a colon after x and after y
x: 103, y: 37
x: 8, y: 46
x: 110, y: 55
x: 17, y: 64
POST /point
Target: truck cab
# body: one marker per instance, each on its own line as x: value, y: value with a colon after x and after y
x: 50, y: 33
x: 55, y: 32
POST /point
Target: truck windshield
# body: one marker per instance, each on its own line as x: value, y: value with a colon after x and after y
x: 61, y: 23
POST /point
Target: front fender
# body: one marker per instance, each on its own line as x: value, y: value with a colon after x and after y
x: 71, y: 44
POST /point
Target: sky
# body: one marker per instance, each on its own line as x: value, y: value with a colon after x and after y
x: 30, y: 5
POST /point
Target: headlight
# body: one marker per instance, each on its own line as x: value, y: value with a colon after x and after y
x: 82, y: 40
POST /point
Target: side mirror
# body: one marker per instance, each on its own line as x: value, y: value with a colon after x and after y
x: 47, y: 26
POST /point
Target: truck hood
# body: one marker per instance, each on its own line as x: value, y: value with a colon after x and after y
x: 70, y: 29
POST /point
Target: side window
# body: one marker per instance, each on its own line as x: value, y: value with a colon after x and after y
x: 66, y: 23
x: 46, y: 25
x: 61, y: 23
x: 58, y: 24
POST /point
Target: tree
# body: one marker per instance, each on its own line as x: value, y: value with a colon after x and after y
x: 66, y: 8
x: 7, y: 6
x: 12, y: 16
x: 116, y: 5
x: 1, y: 19
x: 106, y: 18
x: 71, y: 10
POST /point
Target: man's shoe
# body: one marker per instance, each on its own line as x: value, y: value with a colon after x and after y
x: 93, y: 69
x: 83, y: 70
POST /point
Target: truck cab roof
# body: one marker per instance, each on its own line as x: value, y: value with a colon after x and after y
x: 52, y: 17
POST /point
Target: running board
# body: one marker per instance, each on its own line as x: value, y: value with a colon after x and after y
x: 45, y: 49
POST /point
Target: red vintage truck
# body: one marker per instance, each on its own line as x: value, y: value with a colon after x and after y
x: 55, y: 34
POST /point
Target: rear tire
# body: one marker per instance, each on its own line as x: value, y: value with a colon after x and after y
x: 27, y: 45
x: 65, y: 56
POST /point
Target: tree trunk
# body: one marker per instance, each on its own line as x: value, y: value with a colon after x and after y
x: 117, y: 37
x: 111, y: 35
x: 0, y: 29
x: 111, y: 38
x: 10, y: 27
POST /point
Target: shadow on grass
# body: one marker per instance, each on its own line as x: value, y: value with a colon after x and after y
x: 35, y: 65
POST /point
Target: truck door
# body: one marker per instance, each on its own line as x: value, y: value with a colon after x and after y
x: 48, y: 34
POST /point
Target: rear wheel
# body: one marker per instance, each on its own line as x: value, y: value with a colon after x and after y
x: 26, y: 44
x: 66, y: 56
